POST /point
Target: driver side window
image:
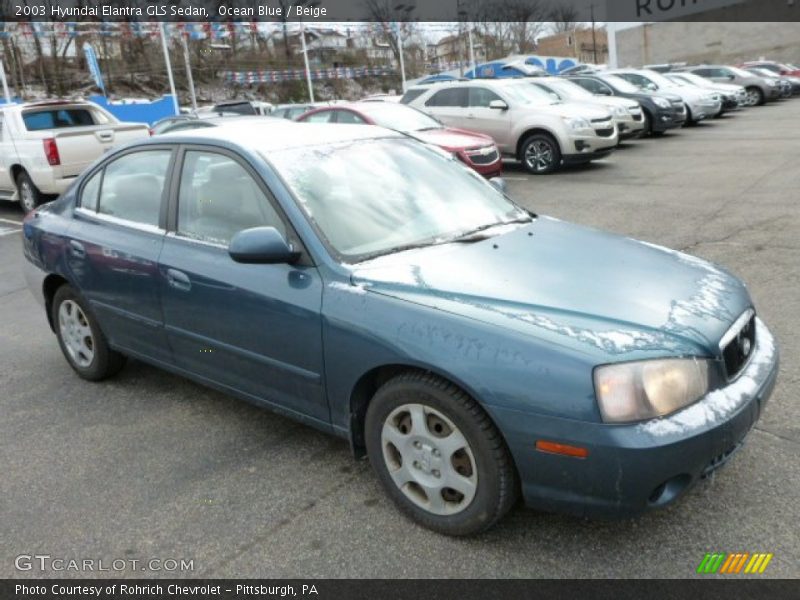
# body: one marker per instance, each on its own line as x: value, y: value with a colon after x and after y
x: 481, y: 97
x: 218, y: 197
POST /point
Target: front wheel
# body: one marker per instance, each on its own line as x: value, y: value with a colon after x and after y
x: 541, y: 154
x: 755, y: 97
x: 438, y: 455
x: 81, y: 340
x: 29, y: 195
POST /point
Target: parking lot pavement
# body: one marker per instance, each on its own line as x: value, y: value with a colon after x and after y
x: 148, y: 465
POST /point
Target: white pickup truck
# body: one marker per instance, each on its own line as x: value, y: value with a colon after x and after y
x: 44, y: 146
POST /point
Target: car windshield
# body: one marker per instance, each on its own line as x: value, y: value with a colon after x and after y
x: 739, y: 72
x: 567, y: 89
x: 374, y: 197
x: 524, y: 93
x: 621, y: 84
x: 398, y: 117
x: 692, y: 78
x: 660, y: 80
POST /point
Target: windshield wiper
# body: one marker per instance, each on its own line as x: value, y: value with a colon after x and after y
x: 477, y: 234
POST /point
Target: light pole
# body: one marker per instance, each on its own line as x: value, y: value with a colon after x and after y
x: 169, y: 69
x: 6, y: 93
x: 406, y: 8
x: 189, y: 71
x: 305, y: 61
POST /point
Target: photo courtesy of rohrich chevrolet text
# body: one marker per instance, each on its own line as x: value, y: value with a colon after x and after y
x: 389, y: 298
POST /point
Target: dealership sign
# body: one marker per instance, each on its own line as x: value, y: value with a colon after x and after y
x: 661, y: 10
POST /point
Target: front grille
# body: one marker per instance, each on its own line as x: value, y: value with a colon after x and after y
x: 604, y: 120
x: 605, y: 132
x: 479, y: 158
x: 739, y: 344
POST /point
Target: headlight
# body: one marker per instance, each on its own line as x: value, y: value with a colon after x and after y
x: 577, y: 123
x: 662, y: 102
x: 771, y: 83
x: 620, y: 111
x: 637, y: 391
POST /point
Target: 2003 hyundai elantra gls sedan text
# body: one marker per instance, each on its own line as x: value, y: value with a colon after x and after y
x: 376, y: 288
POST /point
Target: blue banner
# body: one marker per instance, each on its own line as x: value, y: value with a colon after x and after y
x: 94, y: 68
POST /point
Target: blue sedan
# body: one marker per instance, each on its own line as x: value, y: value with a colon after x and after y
x: 374, y: 287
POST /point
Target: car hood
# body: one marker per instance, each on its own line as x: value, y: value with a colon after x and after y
x: 592, y: 290
x: 728, y: 88
x: 575, y: 109
x: 452, y: 139
x: 615, y: 101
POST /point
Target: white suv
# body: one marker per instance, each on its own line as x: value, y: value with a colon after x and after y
x: 526, y: 122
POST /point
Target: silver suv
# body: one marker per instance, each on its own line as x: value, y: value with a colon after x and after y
x: 759, y: 89
x: 526, y: 122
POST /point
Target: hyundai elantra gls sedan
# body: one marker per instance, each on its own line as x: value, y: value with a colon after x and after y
x: 378, y: 289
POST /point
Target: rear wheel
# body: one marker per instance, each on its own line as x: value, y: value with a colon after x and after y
x: 81, y: 340
x: 29, y: 195
x: 438, y: 455
x: 540, y: 154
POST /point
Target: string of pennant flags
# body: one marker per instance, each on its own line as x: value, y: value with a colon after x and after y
x: 246, y: 77
x: 198, y: 31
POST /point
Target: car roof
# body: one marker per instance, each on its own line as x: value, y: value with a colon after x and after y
x: 268, y: 136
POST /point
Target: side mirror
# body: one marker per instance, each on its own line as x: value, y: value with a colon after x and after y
x: 500, y: 184
x: 651, y: 86
x: 603, y: 92
x: 498, y: 105
x: 261, y: 245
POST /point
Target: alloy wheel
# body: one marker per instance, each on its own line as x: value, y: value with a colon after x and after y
x: 429, y: 459
x: 752, y: 97
x: 76, y: 333
x: 26, y: 196
x: 539, y: 156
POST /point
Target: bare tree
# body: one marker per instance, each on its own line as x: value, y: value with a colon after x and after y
x: 512, y: 25
x: 389, y: 17
x: 564, y: 17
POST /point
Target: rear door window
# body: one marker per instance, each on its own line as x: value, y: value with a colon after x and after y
x: 37, y: 120
x: 319, y: 117
x: 346, y: 116
x: 133, y: 186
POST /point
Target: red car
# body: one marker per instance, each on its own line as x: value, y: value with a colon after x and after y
x: 473, y: 149
x: 775, y: 67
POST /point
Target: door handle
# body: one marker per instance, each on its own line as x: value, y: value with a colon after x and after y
x: 76, y: 249
x: 179, y: 280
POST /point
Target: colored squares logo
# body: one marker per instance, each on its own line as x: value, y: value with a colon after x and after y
x: 736, y: 563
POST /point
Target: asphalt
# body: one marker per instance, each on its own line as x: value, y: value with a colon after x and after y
x: 149, y: 465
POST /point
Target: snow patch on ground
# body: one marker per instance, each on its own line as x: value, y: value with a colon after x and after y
x: 720, y: 404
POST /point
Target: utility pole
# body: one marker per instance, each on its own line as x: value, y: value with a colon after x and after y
x: 402, y: 61
x: 472, y: 53
x: 169, y: 69
x: 594, y: 37
x: 189, y: 71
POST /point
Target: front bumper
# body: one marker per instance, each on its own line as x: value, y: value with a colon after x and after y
x: 668, y: 118
x: 629, y: 127
x: 637, y: 467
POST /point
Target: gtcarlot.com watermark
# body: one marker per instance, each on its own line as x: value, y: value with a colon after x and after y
x: 48, y: 563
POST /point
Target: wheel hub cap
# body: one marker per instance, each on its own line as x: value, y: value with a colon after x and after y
x: 76, y: 333
x: 429, y: 459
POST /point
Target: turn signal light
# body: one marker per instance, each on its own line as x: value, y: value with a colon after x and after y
x: 563, y: 449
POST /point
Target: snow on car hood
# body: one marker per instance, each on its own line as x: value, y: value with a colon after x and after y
x: 593, y: 290
x: 452, y: 139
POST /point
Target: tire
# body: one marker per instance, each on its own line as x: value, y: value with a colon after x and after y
x: 648, y: 123
x: 422, y: 431
x: 29, y: 195
x: 540, y: 154
x: 690, y: 122
x: 82, y: 342
x: 755, y: 96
